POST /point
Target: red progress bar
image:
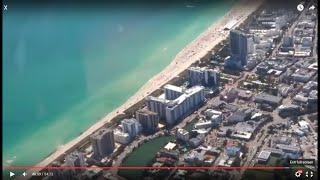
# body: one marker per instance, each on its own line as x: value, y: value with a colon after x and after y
x: 148, y: 167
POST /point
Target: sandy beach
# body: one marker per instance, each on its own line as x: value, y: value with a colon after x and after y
x: 190, y: 54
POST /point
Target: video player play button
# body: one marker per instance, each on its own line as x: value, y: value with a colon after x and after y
x: 11, y: 174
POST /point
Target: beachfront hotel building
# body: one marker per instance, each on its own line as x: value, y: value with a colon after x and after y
x: 172, y: 92
x: 131, y: 126
x: 179, y: 107
x: 149, y: 120
x: 157, y: 104
x: 75, y: 159
x: 102, y: 143
x: 241, y: 45
x: 203, y: 76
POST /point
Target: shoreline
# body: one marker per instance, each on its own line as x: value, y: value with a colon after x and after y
x: 193, y: 52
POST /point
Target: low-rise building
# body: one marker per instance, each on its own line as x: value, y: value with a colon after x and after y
x: 232, y: 148
x: 241, y: 135
x: 244, y: 94
x: 289, y: 110
x: 282, y: 140
x: 210, y: 112
x: 298, y: 132
x: 194, y: 157
x: 214, y: 116
x: 226, y: 162
x: 170, y: 146
x: 216, y: 120
x: 197, y: 141
x: 169, y: 153
x: 300, y: 99
x: 268, y: 99
x: 289, y: 148
x: 304, y: 125
x: 302, y: 75
x: 264, y: 156
x: 284, y: 90
x: 183, y: 135
x: 274, y: 151
x: 309, y: 86
x: 222, y: 131
x: 236, y: 117
x: 230, y: 95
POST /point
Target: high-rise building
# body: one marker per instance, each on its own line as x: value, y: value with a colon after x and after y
x: 172, y: 92
x: 131, y: 126
x: 158, y: 105
x: 195, y: 76
x: 179, y: 107
x: 75, y: 159
x: 203, y: 76
x: 149, y: 120
x: 240, y: 46
x: 102, y: 143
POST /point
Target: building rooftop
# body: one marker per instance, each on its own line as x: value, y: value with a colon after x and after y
x: 288, y: 106
x: 121, y: 133
x: 232, y: 143
x: 288, y: 147
x: 300, y: 98
x: 174, y: 88
x: 182, y: 131
x: 129, y: 121
x: 99, y: 134
x: 213, y: 112
x: 187, y: 93
x: 160, y: 99
x: 170, y: 146
x: 264, y: 155
x: 268, y: 97
x: 242, y: 135
x: 146, y: 111
x: 303, y: 123
x: 244, y: 93
x: 237, y: 116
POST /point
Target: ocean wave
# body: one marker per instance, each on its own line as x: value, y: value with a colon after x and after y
x: 190, y: 6
x: 9, y: 161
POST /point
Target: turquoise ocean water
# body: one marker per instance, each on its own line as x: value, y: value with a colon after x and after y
x: 65, y: 69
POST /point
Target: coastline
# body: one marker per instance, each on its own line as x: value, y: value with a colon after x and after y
x: 194, y: 51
